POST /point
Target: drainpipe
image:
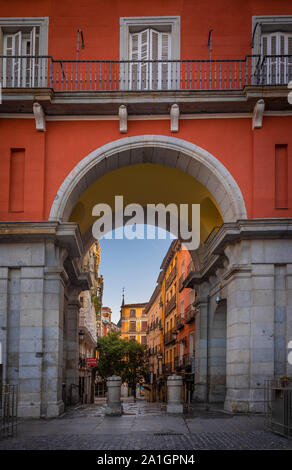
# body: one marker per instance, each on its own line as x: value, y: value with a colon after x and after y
x: 207, y: 358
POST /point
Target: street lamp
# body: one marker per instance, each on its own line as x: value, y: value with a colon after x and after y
x: 81, y: 336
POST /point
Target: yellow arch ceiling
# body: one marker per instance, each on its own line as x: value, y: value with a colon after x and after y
x: 144, y: 184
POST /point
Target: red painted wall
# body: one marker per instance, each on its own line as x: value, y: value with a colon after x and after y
x: 49, y: 157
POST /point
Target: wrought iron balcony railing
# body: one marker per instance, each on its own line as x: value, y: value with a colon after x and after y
x: 170, y: 336
x: 179, y: 322
x: 151, y: 75
x: 170, y: 305
x: 190, y: 313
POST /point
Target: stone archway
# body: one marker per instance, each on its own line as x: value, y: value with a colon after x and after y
x: 169, y: 151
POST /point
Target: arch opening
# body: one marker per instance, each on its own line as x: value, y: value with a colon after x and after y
x: 138, y: 164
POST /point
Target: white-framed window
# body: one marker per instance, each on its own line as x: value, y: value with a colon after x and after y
x: 272, y: 43
x: 22, y: 41
x: 155, y: 40
x: 277, y: 55
x: 150, y: 45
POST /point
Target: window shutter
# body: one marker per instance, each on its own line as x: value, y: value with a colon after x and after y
x: 154, y: 67
x: 144, y: 35
x: 134, y: 55
x: 277, y: 69
x: 165, y: 53
x: 149, y: 45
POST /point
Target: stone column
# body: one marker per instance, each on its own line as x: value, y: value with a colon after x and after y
x: 217, y: 349
x: 288, y: 323
x: 250, y: 330
x: 174, y: 390
x: 3, y: 317
x: 71, y: 345
x: 199, y: 394
x: 114, y: 406
x: 37, y: 262
x: 31, y: 335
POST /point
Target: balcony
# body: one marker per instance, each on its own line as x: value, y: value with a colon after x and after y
x: 180, y: 282
x: 101, y: 86
x: 170, y: 305
x: 170, y: 336
x: 187, y: 361
x: 170, y: 278
x: 190, y: 313
x: 179, y: 323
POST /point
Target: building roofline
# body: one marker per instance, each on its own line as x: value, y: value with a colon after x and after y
x: 135, y: 305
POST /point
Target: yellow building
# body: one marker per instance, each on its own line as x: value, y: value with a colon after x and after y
x: 134, y: 322
x: 170, y: 290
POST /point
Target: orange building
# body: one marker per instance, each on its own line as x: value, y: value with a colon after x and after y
x: 185, y: 324
x: 187, y: 105
x: 171, y: 325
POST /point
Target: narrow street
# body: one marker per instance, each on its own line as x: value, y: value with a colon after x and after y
x: 145, y: 426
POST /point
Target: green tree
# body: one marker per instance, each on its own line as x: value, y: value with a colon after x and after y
x: 112, y: 350
x: 135, y: 368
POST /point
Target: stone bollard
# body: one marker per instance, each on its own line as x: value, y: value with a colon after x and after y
x: 174, y: 387
x: 114, y: 406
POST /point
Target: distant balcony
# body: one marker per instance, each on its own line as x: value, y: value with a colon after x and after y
x: 151, y: 75
x: 170, y: 336
x: 179, y: 323
x: 170, y: 305
x: 187, y: 361
x: 190, y: 313
x: 170, y: 278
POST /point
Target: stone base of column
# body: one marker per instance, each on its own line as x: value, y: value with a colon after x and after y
x: 114, y: 410
x: 199, y: 394
x: 55, y: 409
x: 173, y: 408
x: 245, y: 401
x: 27, y: 410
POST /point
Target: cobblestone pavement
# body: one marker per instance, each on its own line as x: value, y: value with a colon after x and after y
x: 145, y: 426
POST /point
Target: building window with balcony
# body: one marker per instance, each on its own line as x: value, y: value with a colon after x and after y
x: 23, y: 41
x: 272, y: 44
x: 149, y: 44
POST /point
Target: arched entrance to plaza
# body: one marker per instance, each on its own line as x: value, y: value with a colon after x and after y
x: 159, y: 169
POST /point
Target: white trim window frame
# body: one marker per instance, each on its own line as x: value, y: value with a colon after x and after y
x: 278, y: 69
x: 160, y: 76
x: 150, y: 45
x: 272, y: 35
x: 24, y: 36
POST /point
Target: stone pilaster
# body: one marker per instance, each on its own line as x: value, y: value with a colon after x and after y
x: 288, y: 321
x: 71, y: 344
x: 37, y: 264
x: 200, y: 391
x: 4, y: 317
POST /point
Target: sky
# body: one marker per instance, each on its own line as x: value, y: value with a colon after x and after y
x: 132, y: 264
